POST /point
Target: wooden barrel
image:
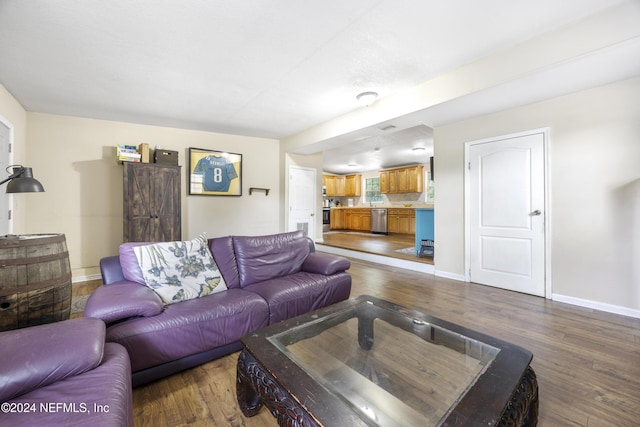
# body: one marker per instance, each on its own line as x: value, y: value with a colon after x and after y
x: 35, y: 280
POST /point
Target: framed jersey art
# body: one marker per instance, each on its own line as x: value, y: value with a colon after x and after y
x: 214, y: 173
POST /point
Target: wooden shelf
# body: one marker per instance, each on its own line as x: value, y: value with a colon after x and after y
x: 266, y: 190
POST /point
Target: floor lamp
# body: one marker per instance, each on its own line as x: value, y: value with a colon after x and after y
x: 21, y: 180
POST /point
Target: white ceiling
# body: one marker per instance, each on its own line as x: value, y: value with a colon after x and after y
x: 267, y: 68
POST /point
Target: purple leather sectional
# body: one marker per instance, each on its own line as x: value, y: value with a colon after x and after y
x: 269, y: 279
x: 64, y: 374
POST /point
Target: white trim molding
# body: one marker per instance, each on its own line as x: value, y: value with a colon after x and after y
x: 609, y: 308
x: 452, y: 276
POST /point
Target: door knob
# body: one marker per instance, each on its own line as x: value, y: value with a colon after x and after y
x: 535, y: 213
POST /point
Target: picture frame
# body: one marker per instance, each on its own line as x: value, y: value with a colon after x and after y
x: 214, y: 173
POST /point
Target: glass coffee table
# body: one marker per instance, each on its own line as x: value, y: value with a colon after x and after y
x: 369, y: 362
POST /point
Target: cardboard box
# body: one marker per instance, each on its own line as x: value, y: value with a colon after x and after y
x: 165, y: 157
x: 143, y: 149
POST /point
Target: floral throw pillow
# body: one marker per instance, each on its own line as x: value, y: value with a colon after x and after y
x: 179, y: 271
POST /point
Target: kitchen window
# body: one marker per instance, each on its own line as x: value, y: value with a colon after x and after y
x: 372, y: 190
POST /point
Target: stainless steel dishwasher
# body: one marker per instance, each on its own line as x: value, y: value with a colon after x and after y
x: 379, y: 221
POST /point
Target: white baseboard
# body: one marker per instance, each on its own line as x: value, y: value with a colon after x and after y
x: 609, y: 308
x: 378, y: 259
x: 86, y: 278
x: 453, y: 276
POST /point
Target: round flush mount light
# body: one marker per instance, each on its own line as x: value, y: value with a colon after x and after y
x: 367, y: 98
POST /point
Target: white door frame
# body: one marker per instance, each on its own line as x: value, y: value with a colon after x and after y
x: 3, y: 189
x: 314, y: 209
x: 547, y: 207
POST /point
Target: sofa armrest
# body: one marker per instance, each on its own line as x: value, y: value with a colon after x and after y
x: 120, y: 301
x: 323, y: 263
x: 111, y: 270
x: 37, y: 356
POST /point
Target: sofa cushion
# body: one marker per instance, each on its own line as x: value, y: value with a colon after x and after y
x: 129, y: 262
x: 326, y: 264
x: 180, y: 271
x: 119, y: 301
x: 108, y: 387
x: 222, y: 251
x: 190, y: 327
x: 261, y: 258
x: 37, y: 356
x: 301, y: 293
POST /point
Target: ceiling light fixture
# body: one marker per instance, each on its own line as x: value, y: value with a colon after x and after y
x: 418, y: 149
x: 367, y: 98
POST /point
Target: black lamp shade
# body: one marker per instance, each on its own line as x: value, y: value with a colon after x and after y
x: 24, y: 182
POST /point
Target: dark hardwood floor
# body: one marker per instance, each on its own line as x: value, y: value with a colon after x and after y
x: 587, y: 362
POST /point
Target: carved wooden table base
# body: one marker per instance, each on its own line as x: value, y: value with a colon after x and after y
x: 256, y: 387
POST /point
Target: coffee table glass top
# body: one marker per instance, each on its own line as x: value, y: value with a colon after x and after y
x: 389, y: 366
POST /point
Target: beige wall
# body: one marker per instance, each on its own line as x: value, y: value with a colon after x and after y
x: 74, y: 158
x: 595, y: 189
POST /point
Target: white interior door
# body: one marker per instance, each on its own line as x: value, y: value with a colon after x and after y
x: 302, y: 200
x: 5, y: 153
x: 506, y: 212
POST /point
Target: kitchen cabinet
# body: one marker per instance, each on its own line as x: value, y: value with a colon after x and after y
x: 408, y: 179
x: 343, y: 185
x: 358, y: 219
x: 330, y: 184
x: 351, y: 219
x: 415, y: 179
x: 384, y: 182
x: 337, y: 219
x: 339, y: 185
x: 353, y: 185
x: 151, y: 202
x: 401, y: 221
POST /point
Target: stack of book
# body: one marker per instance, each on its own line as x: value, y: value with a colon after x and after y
x: 127, y: 153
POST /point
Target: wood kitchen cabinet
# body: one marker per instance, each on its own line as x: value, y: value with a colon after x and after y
x: 343, y: 185
x: 151, y: 202
x: 351, y: 219
x: 401, y: 221
x: 415, y: 179
x: 384, y: 182
x: 334, y: 184
x: 358, y: 219
x: 330, y: 185
x: 409, y: 179
x: 337, y: 219
x: 353, y: 185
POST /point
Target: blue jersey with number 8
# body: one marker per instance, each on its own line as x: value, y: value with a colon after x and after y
x: 217, y: 172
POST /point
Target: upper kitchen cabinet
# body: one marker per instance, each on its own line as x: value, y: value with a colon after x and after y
x: 353, y: 185
x: 408, y: 179
x: 343, y: 185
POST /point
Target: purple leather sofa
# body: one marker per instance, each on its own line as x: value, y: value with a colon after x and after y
x: 63, y: 374
x: 269, y: 279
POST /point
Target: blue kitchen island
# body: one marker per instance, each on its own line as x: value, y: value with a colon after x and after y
x: 424, y: 227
